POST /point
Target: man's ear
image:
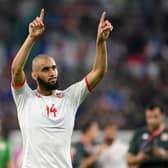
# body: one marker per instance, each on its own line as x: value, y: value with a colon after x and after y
x: 34, y: 75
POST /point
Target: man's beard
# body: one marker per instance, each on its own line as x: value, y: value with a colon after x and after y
x: 48, y: 86
x: 109, y: 141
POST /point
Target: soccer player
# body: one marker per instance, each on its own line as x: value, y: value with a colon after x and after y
x: 84, y: 153
x: 149, y: 145
x: 114, y: 154
x: 46, y: 115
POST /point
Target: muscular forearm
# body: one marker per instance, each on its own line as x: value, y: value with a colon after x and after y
x: 100, y: 65
x: 132, y: 159
x: 88, y: 161
x: 20, y: 60
x: 22, y: 55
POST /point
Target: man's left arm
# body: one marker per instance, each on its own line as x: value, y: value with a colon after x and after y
x: 79, y: 91
x: 100, y: 65
x: 161, y: 153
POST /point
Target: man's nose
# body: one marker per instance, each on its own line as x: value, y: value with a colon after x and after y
x: 52, y: 72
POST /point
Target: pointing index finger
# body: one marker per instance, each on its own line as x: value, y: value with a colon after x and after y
x: 42, y: 14
x: 102, y: 17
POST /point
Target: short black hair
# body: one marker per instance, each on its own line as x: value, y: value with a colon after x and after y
x: 154, y: 105
x: 87, y: 126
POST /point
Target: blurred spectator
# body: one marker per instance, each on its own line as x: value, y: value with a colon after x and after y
x: 114, y: 155
x: 84, y: 151
x: 149, y: 145
x: 5, y: 157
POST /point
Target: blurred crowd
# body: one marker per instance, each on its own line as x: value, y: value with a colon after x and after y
x: 110, y: 152
x: 137, y: 54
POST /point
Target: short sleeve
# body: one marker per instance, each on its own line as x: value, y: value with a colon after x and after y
x: 78, y: 92
x: 20, y: 95
x: 133, y: 146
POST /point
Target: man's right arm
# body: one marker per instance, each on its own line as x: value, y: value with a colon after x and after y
x: 136, y: 159
x: 135, y: 156
x: 90, y: 160
x: 36, y: 28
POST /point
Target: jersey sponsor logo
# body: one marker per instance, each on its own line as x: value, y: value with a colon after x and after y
x: 145, y: 136
x: 164, y: 137
x: 51, y: 110
x: 38, y: 95
x: 59, y: 95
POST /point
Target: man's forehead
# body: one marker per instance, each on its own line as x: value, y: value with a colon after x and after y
x: 42, y: 61
x: 153, y: 111
x: 46, y: 61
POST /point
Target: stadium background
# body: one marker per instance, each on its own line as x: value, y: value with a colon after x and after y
x: 137, y: 55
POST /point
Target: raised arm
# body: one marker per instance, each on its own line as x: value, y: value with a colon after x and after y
x: 36, y: 28
x: 100, y: 65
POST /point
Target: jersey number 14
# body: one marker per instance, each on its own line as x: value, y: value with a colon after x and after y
x: 51, y: 110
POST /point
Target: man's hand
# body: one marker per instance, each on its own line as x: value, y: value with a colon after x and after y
x: 104, y: 28
x: 160, y: 152
x: 36, y: 27
x: 136, y: 159
x: 90, y: 160
x: 100, y: 149
x: 141, y: 157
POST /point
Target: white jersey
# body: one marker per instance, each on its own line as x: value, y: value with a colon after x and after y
x: 47, y: 123
x: 114, y: 156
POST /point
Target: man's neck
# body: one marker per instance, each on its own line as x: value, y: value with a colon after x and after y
x: 44, y: 92
x: 151, y: 129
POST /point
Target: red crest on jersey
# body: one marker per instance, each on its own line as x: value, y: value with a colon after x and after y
x: 59, y: 95
x: 38, y: 95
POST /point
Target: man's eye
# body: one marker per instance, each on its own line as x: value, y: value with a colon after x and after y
x: 54, y: 67
x: 45, y: 69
